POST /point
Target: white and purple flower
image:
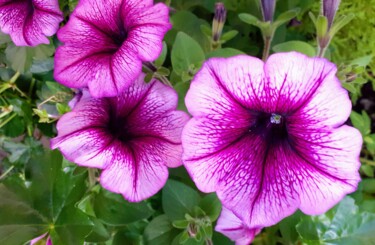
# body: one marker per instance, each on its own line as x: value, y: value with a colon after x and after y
x: 269, y: 137
x: 30, y: 22
x: 105, y: 43
x: 133, y: 137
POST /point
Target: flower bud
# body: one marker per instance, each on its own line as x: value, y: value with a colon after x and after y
x: 219, y: 20
x: 329, y: 9
x: 268, y: 9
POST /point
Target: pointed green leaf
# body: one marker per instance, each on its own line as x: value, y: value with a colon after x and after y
x: 298, y: 46
x: 185, y: 52
x: 178, y: 200
x: 344, y: 224
x: 113, y: 209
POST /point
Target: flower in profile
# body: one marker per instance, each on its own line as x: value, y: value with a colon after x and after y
x: 231, y: 226
x: 30, y: 22
x: 269, y: 137
x: 133, y: 137
x: 105, y: 43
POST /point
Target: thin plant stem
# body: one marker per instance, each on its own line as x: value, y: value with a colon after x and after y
x: 15, y: 77
x: 31, y: 87
x: 6, y: 172
x: 321, y: 52
x: 20, y: 91
x: 8, y: 120
x: 47, y: 100
x: 266, y: 49
x: 92, y: 176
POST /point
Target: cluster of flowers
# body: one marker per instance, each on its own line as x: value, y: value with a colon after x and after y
x: 267, y: 137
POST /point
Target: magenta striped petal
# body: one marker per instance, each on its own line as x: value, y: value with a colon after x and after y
x: 30, y: 22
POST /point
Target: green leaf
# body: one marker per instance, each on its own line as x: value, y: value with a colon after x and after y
x: 21, y: 58
x: 99, y: 232
x: 344, y: 224
x: 206, y: 30
x: 362, y: 122
x: 19, y: 221
x: 224, y: 52
x: 367, y: 170
x: 15, y: 127
x: 369, y: 185
x: 52, y: 187
x: 187, y: 22
x: 160, y: 60
x: 285, y: 17
x: 185, y: 52
x: 71, y: 227
x: 321, y: 26
x: 229, y: 35
x: 340, y: 23
x: 211, y: 205
x: 249, y: 19
x: 180, y: 224
x: 370, y: 143
x: 181, y: 89
x: 160, y: 231
x: 113, y: 209
x: 362, y: 61
x: 298, y: 46
x: 46, y: 205
x: 288, y: 228
x: 178, y: 200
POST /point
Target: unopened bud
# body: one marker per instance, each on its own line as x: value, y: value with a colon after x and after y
x: 219, y: 20
x: 268, y: 9
x: 329, y: 9
x: 192, y: 230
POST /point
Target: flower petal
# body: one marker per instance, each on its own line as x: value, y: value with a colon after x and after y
x: 28, y: 23
x: 329, y: 164
x: 147, y: 29
x: 137, y: 171
x: 228, y: 81
x: 329, y: 107
x: 155, y: 113
x: 293, y: 80
x: 82, y: 134
x: 231, y: 226
x: 84, y: 147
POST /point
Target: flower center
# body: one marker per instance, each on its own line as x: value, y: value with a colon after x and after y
x: 118, y: 126
x: 271, y: 127
x: 120, y: 37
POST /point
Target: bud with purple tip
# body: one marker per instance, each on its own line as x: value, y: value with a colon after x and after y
x: 268, y: 9
x: 218, y: 22
x: 329, y: 9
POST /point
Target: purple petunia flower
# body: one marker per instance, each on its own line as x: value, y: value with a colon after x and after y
x: 269, y: 137
x: 105, y: 43
x: 231, y: 226
x: 133, y: 137
x: 30, y: 22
